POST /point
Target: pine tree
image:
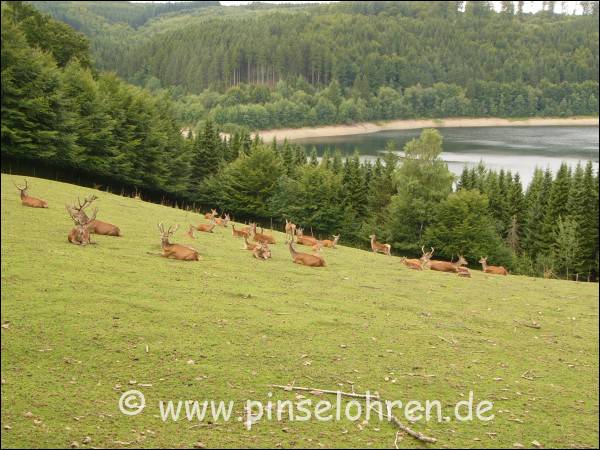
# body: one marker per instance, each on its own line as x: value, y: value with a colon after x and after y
x: 207, y: 155
x: 557, y: 205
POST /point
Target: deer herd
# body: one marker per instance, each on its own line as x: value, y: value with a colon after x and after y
x: 85, y: 225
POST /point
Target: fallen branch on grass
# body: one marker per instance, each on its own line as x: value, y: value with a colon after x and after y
x: 419, y: 436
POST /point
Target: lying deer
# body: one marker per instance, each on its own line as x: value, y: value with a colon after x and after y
x: 442, y: 266
x: 305, y: 259
x: 464, y: 272
x: 415, y: 264
x: 262, y: 237
x: 496, y: 270
x: 261, y: 251
x: 97, y: 226
x: 176, y: 251
x: 207, y: 227
x: 190, y: 232
x: 331, y: 244
x: 304, y: 240
x: 318, y: 248
x: 222, y: 222
x: 239, y: 233
x: 377, y: 247
x: 211, y: 214
x: 80, y: 235
x: 290, y: 228
x: 26, y: 200
x: 249, y: 246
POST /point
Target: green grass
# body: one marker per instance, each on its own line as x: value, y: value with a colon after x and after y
x: 79, y: 321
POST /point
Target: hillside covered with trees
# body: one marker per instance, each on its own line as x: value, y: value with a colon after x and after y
x: 265, y: 66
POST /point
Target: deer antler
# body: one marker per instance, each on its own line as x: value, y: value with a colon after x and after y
x: 18, y: 187
x: 161, y: 228
x: 86, y: 201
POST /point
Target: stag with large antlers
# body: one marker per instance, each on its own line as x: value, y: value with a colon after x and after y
x: 495, y: 270
x: 80, y: 235
x: 305, y: 259
x: 377, y: 247
x: 96, y: 226
x: 176, y: 251
x: 442, y: 266
x: 26, y: 200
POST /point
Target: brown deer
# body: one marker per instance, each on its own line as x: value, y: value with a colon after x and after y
x: 463, y: 272
x: 442, y: 266
x: 305, y: 259
x: 176, y: 251
x: 207, y: 227
x: 190, y: 232
x: 377, y: 247
x: 26, y: 200
x: 331, y: 244
x: 261, y: 251
x: 249, y: 246
x: 222, y: 222
x: 495, y: 270
x: 318, y: 248
x: 211, y: 214
x: 80, y: 235
x: 304, y: 240
x: 262, y: 237
x: 290, y: 228
x: 415, y: 264
x: 239, y: 233
x: 96, y: 226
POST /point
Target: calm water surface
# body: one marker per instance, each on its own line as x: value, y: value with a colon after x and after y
x: 518, y: 149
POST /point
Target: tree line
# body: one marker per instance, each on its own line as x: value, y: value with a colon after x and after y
x: 265, y: 66
x: 58, y: 110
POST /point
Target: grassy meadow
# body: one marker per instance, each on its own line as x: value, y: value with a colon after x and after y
x: 81, y: 325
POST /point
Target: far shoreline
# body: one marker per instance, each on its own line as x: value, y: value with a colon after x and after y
x: 293, y: 134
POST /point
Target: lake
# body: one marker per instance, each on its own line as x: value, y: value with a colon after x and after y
x: 518, y: 149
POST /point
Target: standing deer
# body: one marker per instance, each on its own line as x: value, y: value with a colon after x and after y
x: 496, y: 270
x: 442, y: 266
x: 304, y: 240
x: 239, y: 233
x: 80, y: 235
x: 211, y: 214
x: 377, y: 247
x: 176, y: 251
x: 207, y: 227
x: 305, y: 259
x: 26, y: 200
x: 96, y: 226
x: 290, y: 228
x: 222, y: 222
x: 262, y: 237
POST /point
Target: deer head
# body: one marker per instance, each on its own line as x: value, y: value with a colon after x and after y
x: 22, y: 190
x: 483, y: 260
x: 461, y: 261
x: 426, y: 255
x: 165, y: 235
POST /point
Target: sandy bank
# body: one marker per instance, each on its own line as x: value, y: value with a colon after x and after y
x: 371, y: 127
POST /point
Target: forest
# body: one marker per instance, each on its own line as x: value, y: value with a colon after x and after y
x: 58, y: 109
x: 264, y: 66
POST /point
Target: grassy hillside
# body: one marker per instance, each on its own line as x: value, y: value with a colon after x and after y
x: 82, y: 325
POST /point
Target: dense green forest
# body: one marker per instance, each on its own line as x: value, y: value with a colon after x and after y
x: 58, y: 110
x: 265, y: 66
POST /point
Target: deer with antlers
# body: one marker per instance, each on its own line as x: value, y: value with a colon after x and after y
x: 495, y: 270
x: 442, y: 266
x: 96, y: 226
x: 27, y: 200
x: 377, y: 247
x: 80, y: 235
x: 207, y: 227
x: 176, y: 251
x: 222, y: 221
x: 261, y: 237
x: 304, y: 240
x: 290, y: 228
x: 305, y: 259
x: 211, y: 214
